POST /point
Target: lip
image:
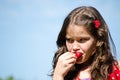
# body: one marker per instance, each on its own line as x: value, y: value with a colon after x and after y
x: 78, y: 54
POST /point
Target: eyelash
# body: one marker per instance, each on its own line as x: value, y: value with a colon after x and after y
x: 82, y: 40
x: 69, y: 40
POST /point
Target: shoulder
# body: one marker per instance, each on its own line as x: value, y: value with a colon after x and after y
x: 115, y: 72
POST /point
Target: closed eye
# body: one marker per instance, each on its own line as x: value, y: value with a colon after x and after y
x: 69, y: 40
x: 82, y: 40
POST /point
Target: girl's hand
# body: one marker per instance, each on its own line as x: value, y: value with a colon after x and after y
x: 64, y: 64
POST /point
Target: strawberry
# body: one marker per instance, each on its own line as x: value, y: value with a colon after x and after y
x: 78, y: 54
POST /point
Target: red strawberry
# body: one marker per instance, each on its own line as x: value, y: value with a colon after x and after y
x: 78, y: 54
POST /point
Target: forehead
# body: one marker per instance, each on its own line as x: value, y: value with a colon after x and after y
x: 77, y: 31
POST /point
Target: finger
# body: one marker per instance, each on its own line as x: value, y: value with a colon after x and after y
x: 71, y: 61
x: 69, y: 55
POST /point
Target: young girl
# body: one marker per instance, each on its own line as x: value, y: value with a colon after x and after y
x: 85, y: 48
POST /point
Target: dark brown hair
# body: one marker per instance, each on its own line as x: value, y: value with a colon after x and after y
x: 103, y: 59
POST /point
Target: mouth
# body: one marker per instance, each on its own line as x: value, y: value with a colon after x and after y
x: 78, y: 54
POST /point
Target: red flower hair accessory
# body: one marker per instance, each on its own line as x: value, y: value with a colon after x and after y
x: 97, y: 23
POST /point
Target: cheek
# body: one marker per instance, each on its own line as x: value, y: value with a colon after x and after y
x: 85, y: 47
x: 89, y: 49
x: 68, y: 45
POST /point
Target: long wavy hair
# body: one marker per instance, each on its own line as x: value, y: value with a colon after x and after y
x: 103, y: 60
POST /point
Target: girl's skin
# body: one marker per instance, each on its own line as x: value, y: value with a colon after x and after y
x: 78, y: 39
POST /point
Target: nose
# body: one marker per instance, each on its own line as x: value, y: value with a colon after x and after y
x: 76, y: 46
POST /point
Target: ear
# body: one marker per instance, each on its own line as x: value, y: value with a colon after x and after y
x: 99, y: 43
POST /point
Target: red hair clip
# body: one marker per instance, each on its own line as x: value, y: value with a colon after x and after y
x: 97, y: 23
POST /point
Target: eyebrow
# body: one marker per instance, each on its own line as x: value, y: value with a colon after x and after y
x: 78, y: 36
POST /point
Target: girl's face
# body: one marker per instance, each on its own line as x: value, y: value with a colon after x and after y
x: 78, y: 39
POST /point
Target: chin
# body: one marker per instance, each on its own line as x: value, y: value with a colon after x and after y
x: 79, y: 62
